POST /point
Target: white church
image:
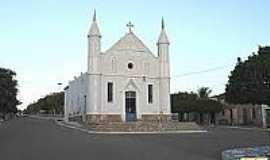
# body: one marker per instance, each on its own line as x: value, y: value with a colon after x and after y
x: 125, y: 83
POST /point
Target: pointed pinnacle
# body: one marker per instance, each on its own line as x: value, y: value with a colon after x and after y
x: 94, y: 17
x: 162, y: 24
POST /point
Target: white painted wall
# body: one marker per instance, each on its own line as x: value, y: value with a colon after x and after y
x: 74, y: 96
x: 112, y: 66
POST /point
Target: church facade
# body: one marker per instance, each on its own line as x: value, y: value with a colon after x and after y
x: 125, y: 83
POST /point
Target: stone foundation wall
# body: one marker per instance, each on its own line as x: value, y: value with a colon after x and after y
x: 110, y: 118
x: 75, y: 118
x: 103, y: 118
x: 156, y: 118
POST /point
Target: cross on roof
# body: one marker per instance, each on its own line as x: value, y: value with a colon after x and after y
x: 130, y: 25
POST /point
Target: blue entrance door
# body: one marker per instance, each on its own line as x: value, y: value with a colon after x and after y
x: 131, y: 106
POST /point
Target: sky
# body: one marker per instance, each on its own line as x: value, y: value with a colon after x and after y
x: 44, y: 41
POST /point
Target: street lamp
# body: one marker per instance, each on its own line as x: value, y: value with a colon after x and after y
x: 59, y: 85
x: 59, y: 90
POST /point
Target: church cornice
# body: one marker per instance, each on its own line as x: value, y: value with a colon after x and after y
x: 129, y: 76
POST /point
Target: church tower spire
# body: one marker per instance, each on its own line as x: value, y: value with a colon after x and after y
x: 95, y: 16
x: 94, y: 43
x: 163, y: 46
x: 93, y: 71
x: 163, y: 39
x: 94, y: 30
x: 162, y: 23
x: 164, y: 70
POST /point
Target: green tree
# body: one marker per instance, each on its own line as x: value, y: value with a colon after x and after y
x: 249, y: 82
x: 184, y: 102
x: 52, y: 103
x: 8, y: 91
x: 204, y: 92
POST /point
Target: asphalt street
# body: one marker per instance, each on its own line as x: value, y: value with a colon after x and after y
x: 34, y: 139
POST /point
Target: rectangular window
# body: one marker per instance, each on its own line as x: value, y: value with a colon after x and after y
x: 110, y: 92
x: 150, y: 93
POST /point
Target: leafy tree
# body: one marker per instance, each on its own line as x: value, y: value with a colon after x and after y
x: 8, y: 91
x: 183, y: 102
x: 52, y: 103
x: 208, y: 106
x: 198, y: 104
x: 204, y: 92
x: 192, y: 102
x: 249, y: 82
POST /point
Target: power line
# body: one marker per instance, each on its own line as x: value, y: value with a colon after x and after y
x: 202, y: 71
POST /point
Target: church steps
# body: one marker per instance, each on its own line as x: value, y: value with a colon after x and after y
x: 143, y: 126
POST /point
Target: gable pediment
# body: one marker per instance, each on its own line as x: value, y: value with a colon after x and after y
x: 131, y: 86
x: 130, y: 42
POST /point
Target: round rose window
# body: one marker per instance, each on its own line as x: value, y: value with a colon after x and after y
x: 130, y: 65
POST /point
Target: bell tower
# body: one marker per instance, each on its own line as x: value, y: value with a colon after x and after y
x: 93, y: 70
x: 164, y: 70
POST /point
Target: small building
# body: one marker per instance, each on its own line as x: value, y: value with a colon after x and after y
x: 243, y: 114
x: 127, y: 82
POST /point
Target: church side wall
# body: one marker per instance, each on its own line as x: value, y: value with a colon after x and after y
x: 75, y: 97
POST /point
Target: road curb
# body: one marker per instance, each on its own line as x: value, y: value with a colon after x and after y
x: 246, y: 128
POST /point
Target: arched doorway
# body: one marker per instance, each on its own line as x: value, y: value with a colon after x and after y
x: 130, y: 97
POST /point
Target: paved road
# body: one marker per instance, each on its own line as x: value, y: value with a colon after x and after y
x: 33, y: 139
